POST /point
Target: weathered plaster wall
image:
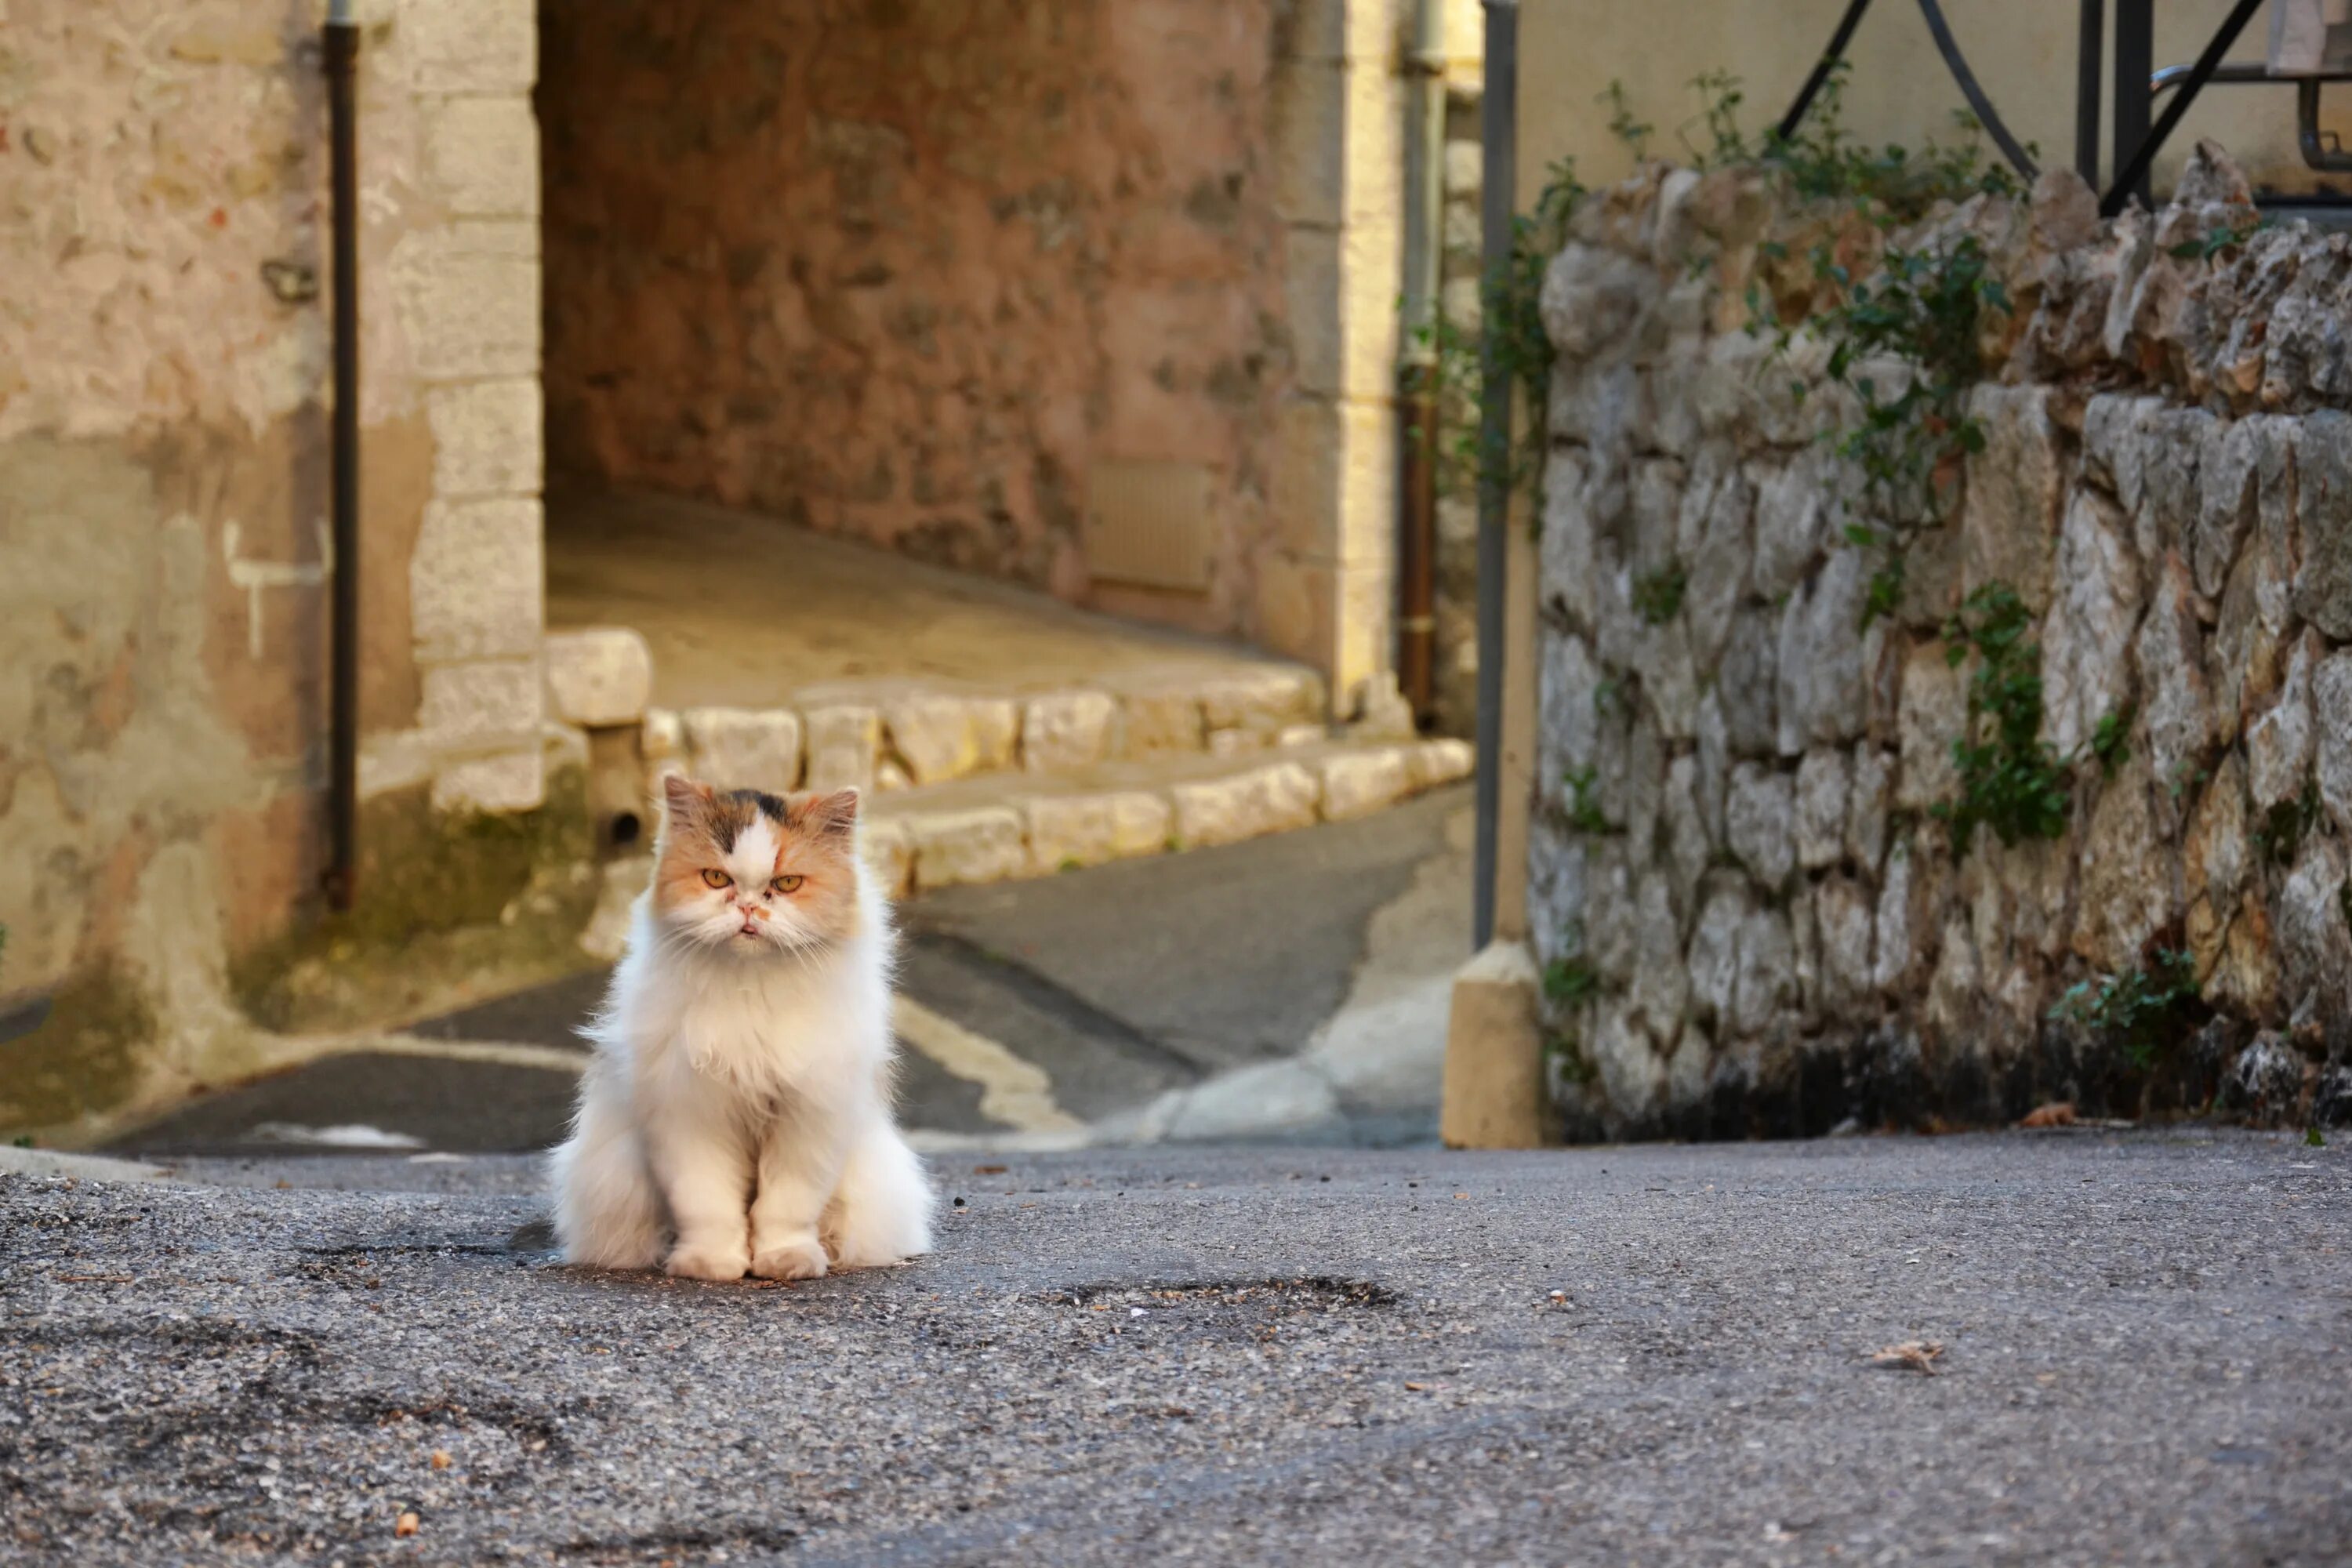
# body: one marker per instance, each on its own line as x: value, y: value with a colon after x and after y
x: 1735, y: 842
x: 910, y: 272
x: 1899, y: 89
x: 162, y: 490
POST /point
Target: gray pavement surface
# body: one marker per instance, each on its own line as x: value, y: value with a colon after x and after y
x: 1122, y: 983
x: 1649, y: 1355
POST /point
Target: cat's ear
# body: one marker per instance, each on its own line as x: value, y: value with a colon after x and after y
x: 834, y: 813
x: 683, y: 800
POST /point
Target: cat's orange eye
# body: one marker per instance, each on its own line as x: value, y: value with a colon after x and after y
x: 717, y: 879
x: 788, y: 884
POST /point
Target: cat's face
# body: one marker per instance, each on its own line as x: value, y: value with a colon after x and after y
x: 754, y: 873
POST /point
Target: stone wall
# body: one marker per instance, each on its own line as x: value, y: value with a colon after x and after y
x: 164, y: 550
x: 906, y: 272
x: 1751, y: 916
x: 917, y: 273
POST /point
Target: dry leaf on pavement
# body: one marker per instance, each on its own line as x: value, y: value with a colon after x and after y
x: 1914, y: 1355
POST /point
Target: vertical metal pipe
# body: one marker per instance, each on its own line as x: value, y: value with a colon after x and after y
x: 2090, y: 62
x: 1499, y: 131
x: 341, y: 52
x: 2132, y: 174
x: 1417, y: 406
x: 2134, y: 63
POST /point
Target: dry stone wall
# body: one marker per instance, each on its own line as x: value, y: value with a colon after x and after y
x: 1751, y: 915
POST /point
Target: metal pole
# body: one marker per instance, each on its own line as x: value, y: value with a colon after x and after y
x: 2090, y: 60
x: 2134, y: 63
x: 2132, y: 177
x: 1499, y: 132
x: 1417, y: 389
x: 342, y: 51
x: 1821, y: 70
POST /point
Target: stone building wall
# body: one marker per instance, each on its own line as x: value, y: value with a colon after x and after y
x: 1751, y: 917
x: 915, y: 273
x: 164, y: 360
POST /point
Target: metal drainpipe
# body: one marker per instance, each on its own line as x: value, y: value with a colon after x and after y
x: 341, y: 43
x: 1498, y: 132
x: 1417, y: 381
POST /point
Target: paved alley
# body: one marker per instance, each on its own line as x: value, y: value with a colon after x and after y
x: 1292, y: 987
x: 1642, y: 1355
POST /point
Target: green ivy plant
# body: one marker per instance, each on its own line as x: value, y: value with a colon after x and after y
x: 1658, y: 595
x: 2012, y: 780
x: 1583, y: 811
x: 1510, y: 315
x: 2146, y: 1012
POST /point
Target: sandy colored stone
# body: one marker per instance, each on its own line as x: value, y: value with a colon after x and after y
x: 1359, y: 782
x: 1270, y: 799
x: 889, y: 851
x: 1759, y: 822
x: 600, y: 676
x: 1275, y: 695
x: 480, y: 700
x: 1935, y: 711
x: 2015, y: 488
x: 1066, y: 831
x: 984, y: 844
x: 744, y: 748
x: 1062, y: 732
x: 2128, y: 875
x: 845, y: 741
x: 1162, y: 720
x: 1823, y: 787
x: 2279, y: 743
x: 475, y: 580
x: 507, y: 782
x: 485, y: 438
x: 1442, y: 762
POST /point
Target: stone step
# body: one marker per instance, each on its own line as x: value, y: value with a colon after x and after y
x: 886, y: 736
x: 997, y: 828
x: 1004, y: 826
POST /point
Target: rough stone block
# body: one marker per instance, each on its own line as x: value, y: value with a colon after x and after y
x: 1759, y: 821
x: 1089, y: 829
x: 1162, y: 720
x: 933, y: 734
x: 2086, y: 636
x: 482, y: 155
x: 1872, y: 792
x: 745, y: 748
x: 480, y: 700
x: 485, y: 438
x: 2331, y: 707
x: 2323, y: 587
x: 1823, y: 788
x: 843, y: 742
x: 470, y: 45
x: 2015, y: 488
x: 475, y: 580
x: 662, y: 736
x: 467, y: 299
x: 982, y: 845
x: 2127, y: 897
x: 599, y: 676
x: 2279, y: 743
x: 1270, y: 696
x: 1062, y: 732
x: 1934, y: 713
x: 2175, y: 699
x: 1357, y: 783
x: 890, y: 853
x: 1270, y: 799
x: 507, y: 782
x: 1493, y: 1095
x: 1441, y: 762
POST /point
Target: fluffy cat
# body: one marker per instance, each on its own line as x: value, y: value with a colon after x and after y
x: 736, y: 1116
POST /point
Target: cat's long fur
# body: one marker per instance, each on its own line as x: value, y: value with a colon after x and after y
x: 736, y: 1116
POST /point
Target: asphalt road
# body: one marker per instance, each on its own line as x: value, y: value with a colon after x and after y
x: 1116, y: 983
x: 1649, y: 1355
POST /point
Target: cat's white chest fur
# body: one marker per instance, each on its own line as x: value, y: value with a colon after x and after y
x: 736, y: 1117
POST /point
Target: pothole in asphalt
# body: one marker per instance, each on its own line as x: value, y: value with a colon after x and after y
x: 1279, y: 1298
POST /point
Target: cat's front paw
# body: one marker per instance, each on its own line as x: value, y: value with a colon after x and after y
x: 799, y: 1258
x: 706, y: 1263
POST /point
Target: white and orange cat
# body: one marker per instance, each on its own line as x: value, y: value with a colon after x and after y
x: 736, y: 1117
